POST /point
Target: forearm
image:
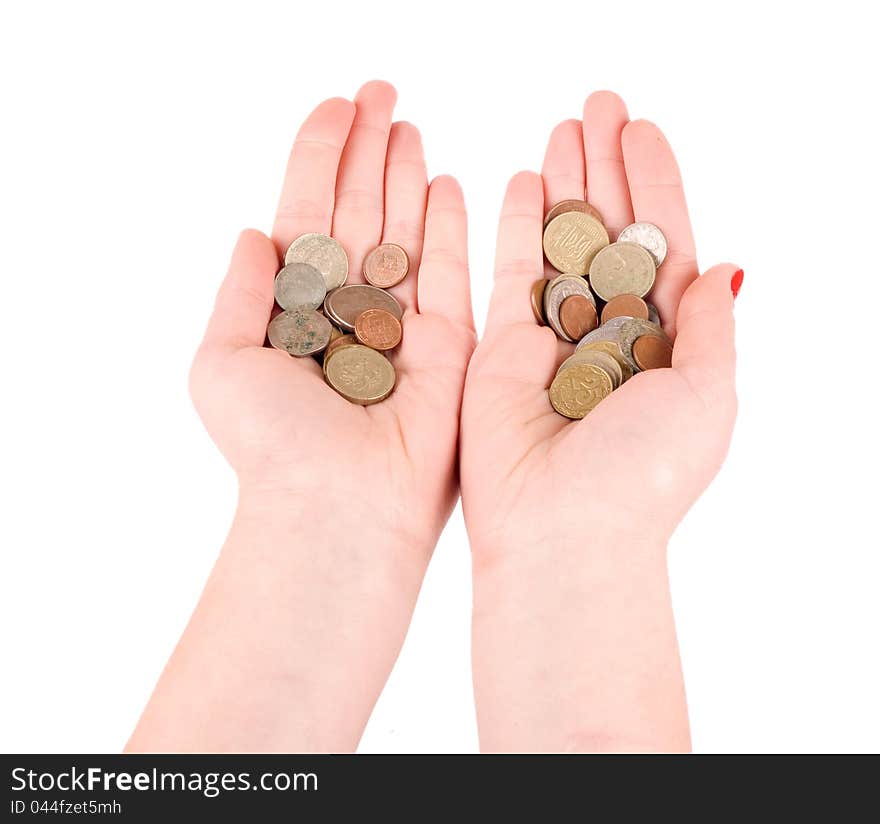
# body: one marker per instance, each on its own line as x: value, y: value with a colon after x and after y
x: 575, y: 649
x: 292, y: 640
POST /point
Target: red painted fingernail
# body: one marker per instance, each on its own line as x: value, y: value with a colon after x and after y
x: 736, y: 282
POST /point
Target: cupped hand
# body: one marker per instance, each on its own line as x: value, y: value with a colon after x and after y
x: 640, y: 459
x: 574, y: 644
x: 389, y: 467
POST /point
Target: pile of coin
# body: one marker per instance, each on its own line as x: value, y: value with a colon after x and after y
x: 598, y: 301
x: 348, y: 327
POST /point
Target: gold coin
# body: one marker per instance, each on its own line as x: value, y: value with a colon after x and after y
x: 610, y: 348
x: 572, y: 206
x: 577, y: 390
x: 622, y: 269
x: 603, y: 360
x: 360, y: 374
x: 572, y: 240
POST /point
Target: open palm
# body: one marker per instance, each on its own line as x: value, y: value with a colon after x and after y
x: 391, y: 467
x: 639, y: 460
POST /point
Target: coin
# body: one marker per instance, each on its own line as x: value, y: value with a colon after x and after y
x: 579, y: 389
x: 652, y: 352
x: 649, y: 237
x: 322, y: 252
x: 537, y: 298
x: 299, y: 284
x: 360, y: 374
x: 339, y: 343
x: 571, y: 241
x: 609, y: 330
x: 609, y: 348
x: 386, y: 265
x: 343, y: 305
x: 630, y: 331
x: 653, y: 314
x: 558, y: 290
x: 577, y: 316
x: 377, y: 329
x: 603, y: 360
x: 299, y: 332
x: 622, y: 268
x: 628, y: 306
x: 572, y: 206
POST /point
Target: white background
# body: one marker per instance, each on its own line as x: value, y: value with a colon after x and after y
x: 136, y: 144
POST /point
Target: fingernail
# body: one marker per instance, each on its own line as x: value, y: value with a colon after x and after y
x: 736, y: 282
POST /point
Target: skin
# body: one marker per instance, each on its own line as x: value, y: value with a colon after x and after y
x: 340, y: 506
x: 574, y: 644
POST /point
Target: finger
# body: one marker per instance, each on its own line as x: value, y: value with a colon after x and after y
x: 360, y: 197
x: 443, y: 282
x: 605, y: 116
x: 519, y: 258
x: 406, y: 194
x: 245, y: 299
x: 563, y: 170
x: 307, y: 194
x: 704, y: 349
x: 658, y: 197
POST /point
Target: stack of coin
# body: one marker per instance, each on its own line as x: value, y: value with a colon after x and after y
x: 598, y: 301
x: 349, y: 327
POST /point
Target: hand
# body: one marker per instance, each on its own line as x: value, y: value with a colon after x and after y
x: 574, y: 645
x: 340, y: 505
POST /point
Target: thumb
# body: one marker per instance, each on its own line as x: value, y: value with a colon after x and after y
x: 704, y: 351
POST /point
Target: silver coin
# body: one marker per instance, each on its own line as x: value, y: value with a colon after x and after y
x: 630, y: 332
x: 299, y: 284
x: 322, y: 252
x: 604, y: 332
x: 560, y: 288
x: 343, y: 305
x: 653, y: 314
x: 649, y: 237
x: 299, y: 332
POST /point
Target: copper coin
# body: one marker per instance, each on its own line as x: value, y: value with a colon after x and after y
x: 378, y: 329
x: 625, y: 306
x: 538, y: 288
x: 571, y: 206
x: 577, y: 316
x: 652, y: 352
x: 386, y: 265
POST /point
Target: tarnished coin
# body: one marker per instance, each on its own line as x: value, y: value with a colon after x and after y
x: 343, y: 305
x: 649, y: 237
x: 360, y: 374
x: 558, y: 289
x: 299, y: 284
x: 601, y: 359
x: 609, y: 348
x: 377, y: 329
x: 572, y: 206
x: 386, y: 265
x: 577, y: 316
x: 630, y: 332
x: 322, y: 252
x: 537, y: 298
x: 622, y: 269
x: 652, y: 352
x: 577, y: 390
x: 338, y: 343
x: 625, y: 306
x: 571, y: 241
x: 299, y: 332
